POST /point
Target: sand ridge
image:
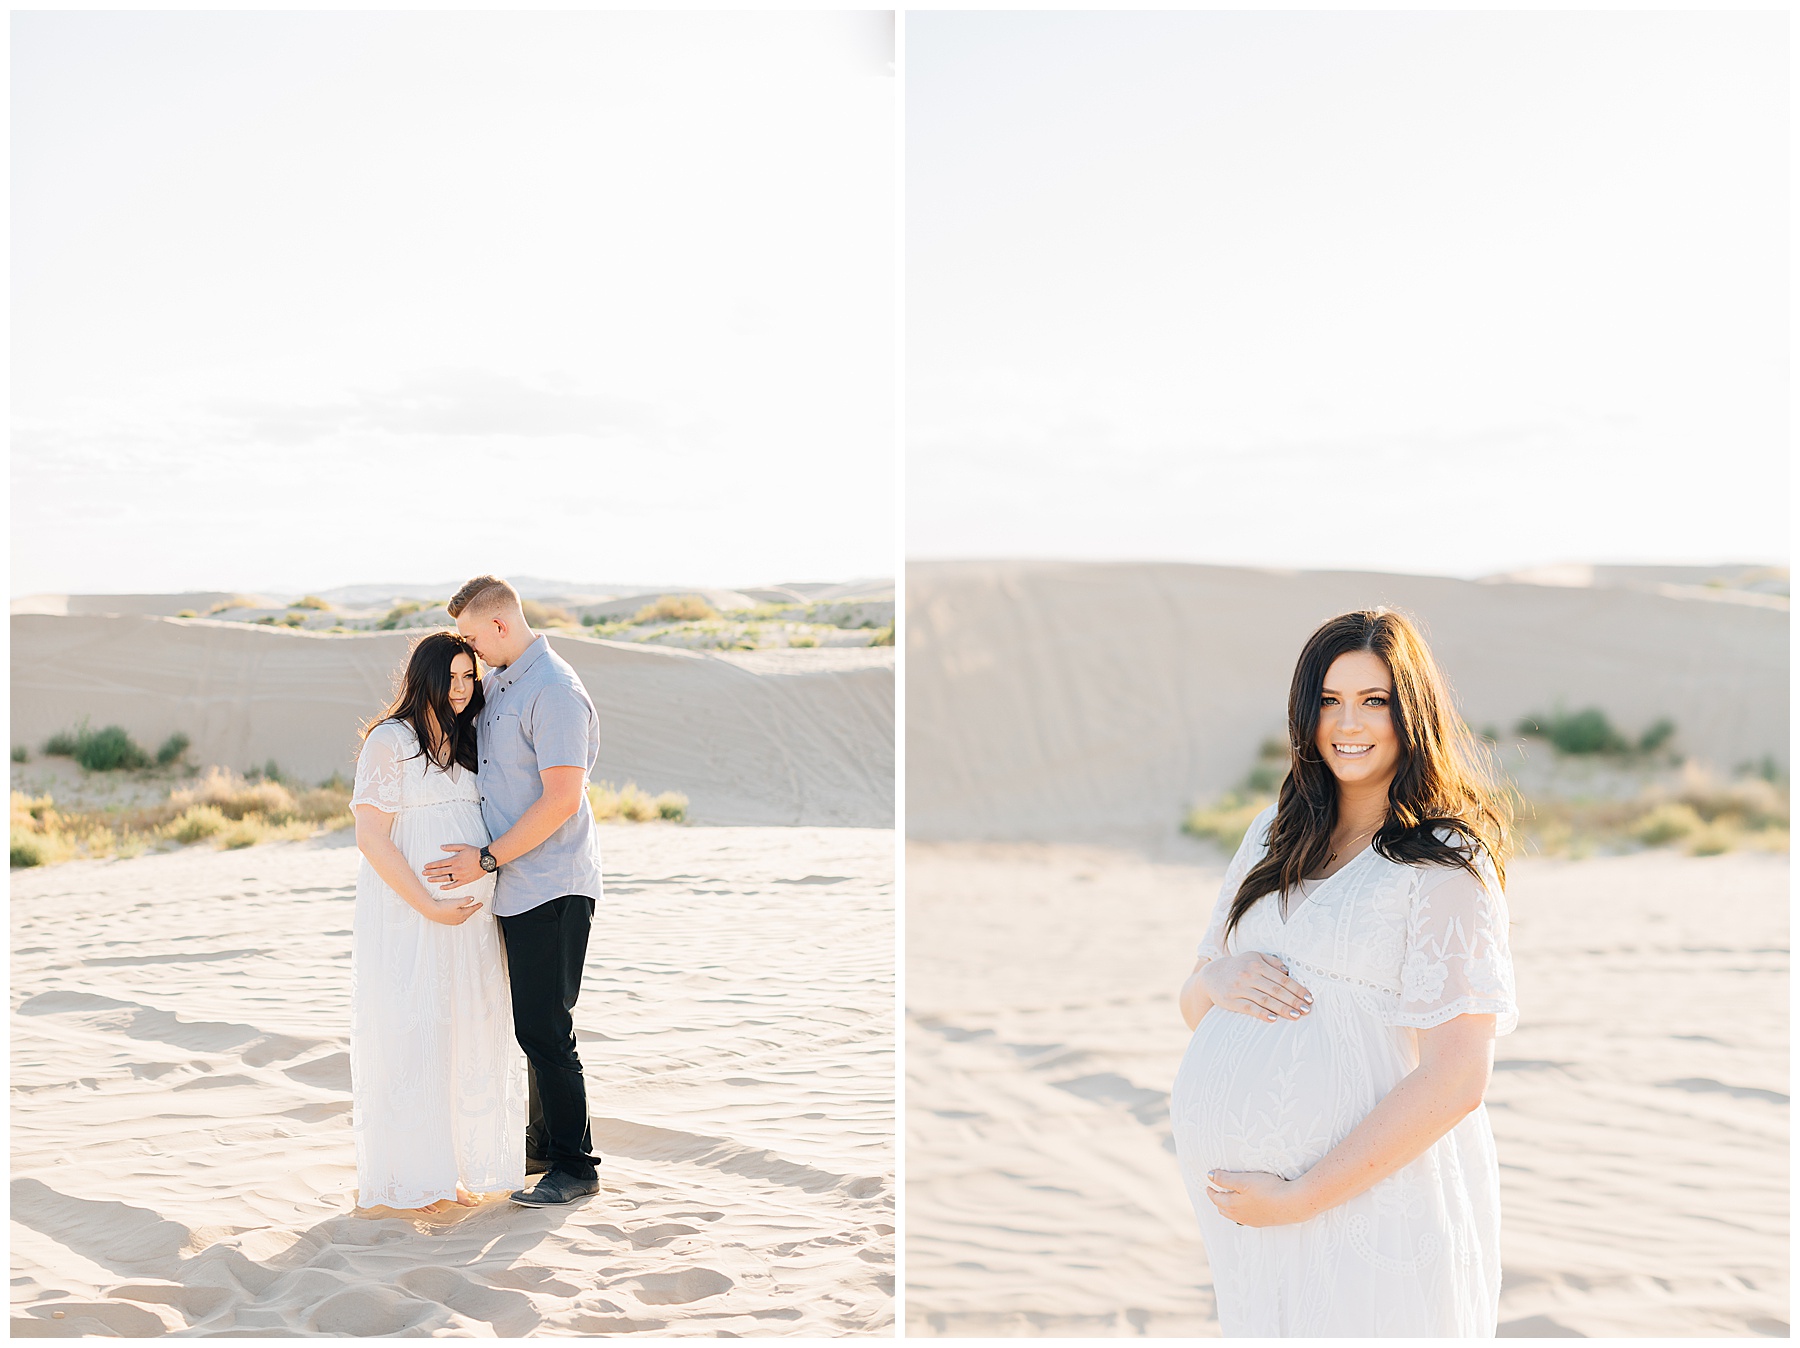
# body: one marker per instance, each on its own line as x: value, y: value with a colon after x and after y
x: 182, y: 1153
x: 1098, y: 701
x: 748, y: 742
x: 1640, y: 1110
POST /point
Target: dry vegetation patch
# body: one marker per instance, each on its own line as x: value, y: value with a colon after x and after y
x: 1696, y: 810
x: 630, y: 804
x: 230, y: 810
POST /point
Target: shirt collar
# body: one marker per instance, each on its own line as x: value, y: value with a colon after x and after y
x: 505, y: 678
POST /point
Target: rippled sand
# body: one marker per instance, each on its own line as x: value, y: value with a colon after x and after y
x: 182, y: 1157
x: 1641, y: 1108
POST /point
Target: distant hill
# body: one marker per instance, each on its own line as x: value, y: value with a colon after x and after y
x: 1065, y: 700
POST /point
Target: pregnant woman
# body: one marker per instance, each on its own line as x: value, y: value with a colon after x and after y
x: 1328, y: 1114
x: 436, y: 1077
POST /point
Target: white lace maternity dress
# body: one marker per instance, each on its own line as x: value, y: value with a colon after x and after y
x: 1386, y: 950
x: 437, y: 1079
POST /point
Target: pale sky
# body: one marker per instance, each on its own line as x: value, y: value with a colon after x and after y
x: 1437, y: 292
x: 309, y: 299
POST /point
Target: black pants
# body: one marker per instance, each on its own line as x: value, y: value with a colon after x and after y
x: 545, y: 949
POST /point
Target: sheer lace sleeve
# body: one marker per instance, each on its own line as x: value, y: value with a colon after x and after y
x: 1458, y: 960
x: 381, y: 768
x: 1250, y: 850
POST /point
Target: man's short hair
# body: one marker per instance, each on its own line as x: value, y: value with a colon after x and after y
x: 482, y: 596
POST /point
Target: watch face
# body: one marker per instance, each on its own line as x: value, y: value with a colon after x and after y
x: 487, y: 861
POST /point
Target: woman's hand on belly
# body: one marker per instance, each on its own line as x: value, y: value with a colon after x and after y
x: 1256, y: 1198
x: 1254, y: 984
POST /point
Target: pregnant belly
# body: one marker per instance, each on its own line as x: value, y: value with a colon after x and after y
x: 421, y: 834
x: 1256, y: 1095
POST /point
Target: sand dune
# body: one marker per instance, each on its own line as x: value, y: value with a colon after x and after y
x: 1641, y: 1108
x: 182, y: 1159
x: 809, y: 742
x: 1096, y: 701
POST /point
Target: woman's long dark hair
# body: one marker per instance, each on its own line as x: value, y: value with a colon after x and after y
x: 425, y: 684
x: 1443, y: 779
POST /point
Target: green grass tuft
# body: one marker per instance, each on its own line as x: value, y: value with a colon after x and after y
x: 109, y: 750
x: 1580, y: 732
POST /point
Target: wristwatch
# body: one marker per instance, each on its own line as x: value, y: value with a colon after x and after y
x: 488, y: 863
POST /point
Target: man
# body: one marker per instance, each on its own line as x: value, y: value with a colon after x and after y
x: 539, y: 738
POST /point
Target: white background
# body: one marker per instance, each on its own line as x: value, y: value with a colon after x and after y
x: 1437, y: 292
x: 308, y: 299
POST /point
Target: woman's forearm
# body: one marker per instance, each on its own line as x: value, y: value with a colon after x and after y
x: 390, y: 863
x: 1429, y: 1101
x: 1195, y: 1002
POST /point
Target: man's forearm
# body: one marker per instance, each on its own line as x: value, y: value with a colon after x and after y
x: 543, y: 818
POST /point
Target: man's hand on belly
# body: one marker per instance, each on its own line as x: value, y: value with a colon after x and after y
x: 461, y: 867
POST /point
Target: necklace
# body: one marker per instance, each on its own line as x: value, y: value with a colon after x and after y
x: 1366, y: 833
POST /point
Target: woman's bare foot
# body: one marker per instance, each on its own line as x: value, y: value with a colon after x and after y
x: 464, y: 1198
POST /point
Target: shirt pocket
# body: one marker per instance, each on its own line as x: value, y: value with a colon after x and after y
x: 501, y: 742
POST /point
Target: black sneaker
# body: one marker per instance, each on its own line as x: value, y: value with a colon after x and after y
x: 555, y: 1188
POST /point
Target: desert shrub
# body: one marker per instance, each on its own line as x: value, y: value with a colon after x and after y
x: 803, y: 640
x: 196, y: 822
x: 1657, y: 734
x: 311, y: 601
x: 327, y: 804
x: 21, y: 754
x: 187, y: 613
x: 1753, y: 802
x: 172, y: 749
x: 235, y: 797
x: 884, y: 636
x: 292, y: 620
x: 544, y: 615
x: 396, y: 614
x: 246, y: 832
x: 675, y: 608
x: 1264, y: 777
x: 61, y: 744
x: 40, y: 836
x: 108, y: 750
x: 1666, y: 823
x: 631, y: 803
x: 1227, y: 819
x: 1714, y: 839
x: 1581, y: 732
x: 758, y: 612
x: 1703, y: 814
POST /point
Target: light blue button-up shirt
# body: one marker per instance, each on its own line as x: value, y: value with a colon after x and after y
x: 536, y: 716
